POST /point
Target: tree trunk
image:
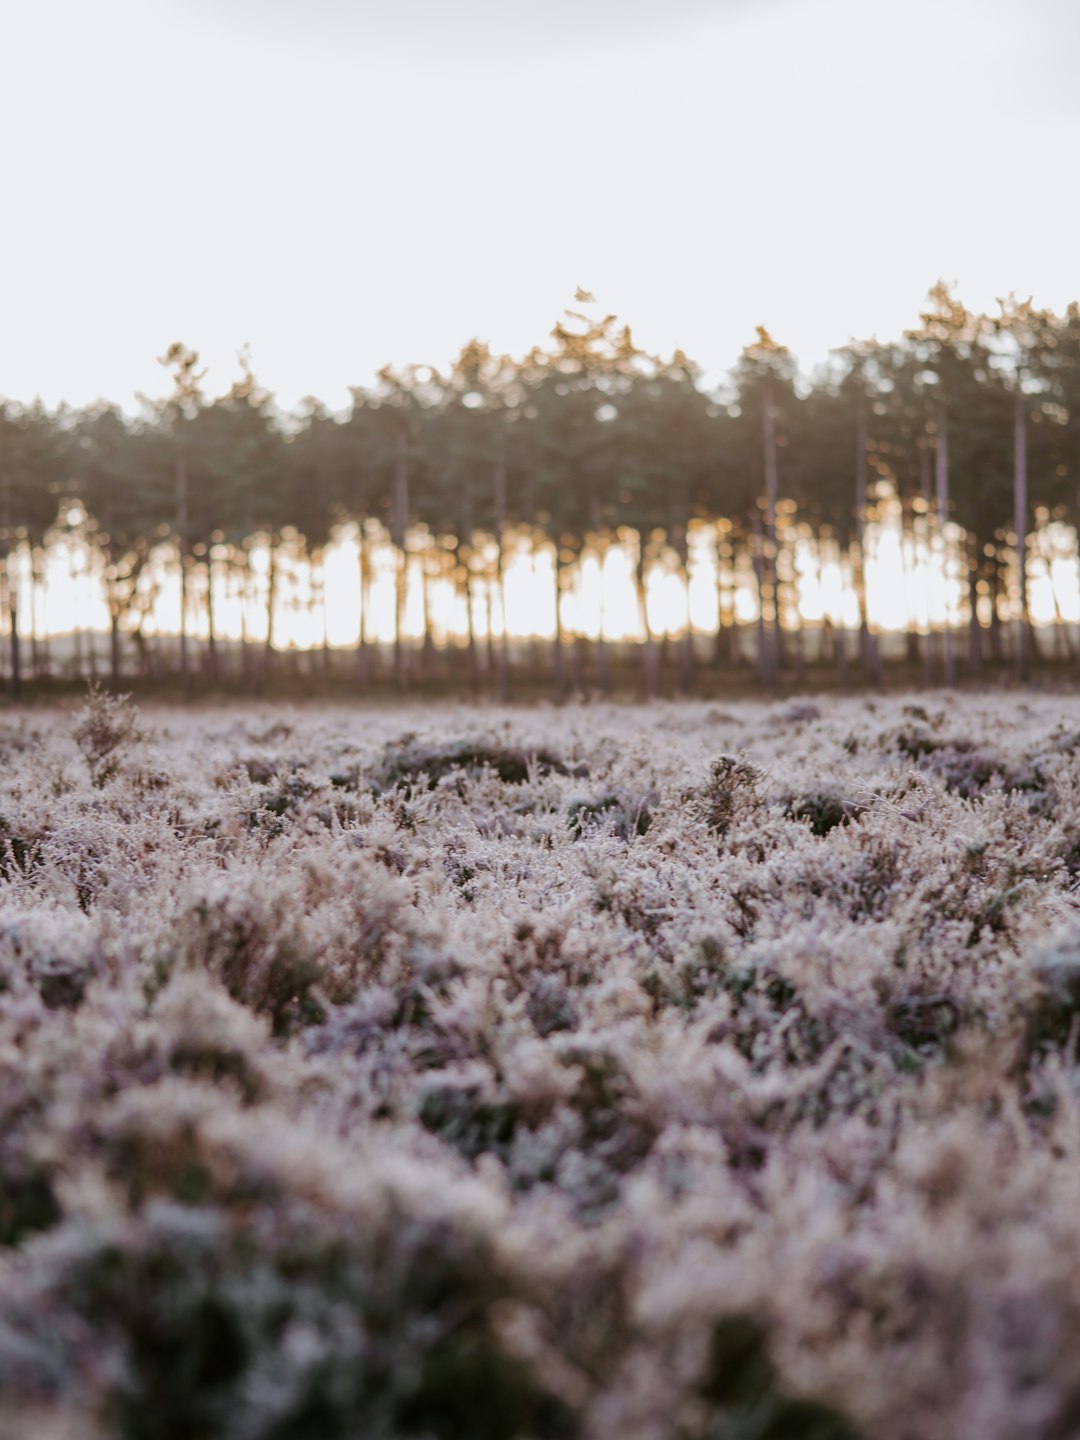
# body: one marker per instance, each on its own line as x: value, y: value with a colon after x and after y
x: 1020, y: 525
x: 1063, y: 645
x: 868, y: 649
x: 211, y: 621
x: 840, y: 629
x: 115, y: 675
x: 558, y: 652
x: 868, y: 646
x: 974, y: 574
x: 998, y: 591
x: 112, y: 598
x: 247, y: 668
x: 799, y: 636
x: 427, y: 649
x: 909, y: 551
x: 45, y: 640
x: 324, y: 613
x: 724, y: 619
x: 926, y: 491
x: 363, y: 635
x: 766, y: 651
x: 490, y: 663
x: 735, y: 643
x: 10, y: 603
x: 138, y: 635
x: 463, y: 573
x: 768, y: 579
x: 271, y: 602
x: 941, y: 480
x: 499, y: 508
x: 685, y: 671
x: 600, y: 655
x: 650, y: 673
x: 399, y: 539
x: 35, y: 651
x: 16, y: 638
x: 181, y: 479
x: 76, y: 629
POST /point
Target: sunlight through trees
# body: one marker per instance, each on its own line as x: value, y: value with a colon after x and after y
x: 584, y: 506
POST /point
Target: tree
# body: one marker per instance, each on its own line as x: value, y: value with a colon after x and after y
x: 947, y: 347
x: 571, y: 397
x: 765, y: 385
x: 119, y: 479
x: 32, y: 461
x: 177, y: 412
x: 665, y: 429
x: 474, y: 433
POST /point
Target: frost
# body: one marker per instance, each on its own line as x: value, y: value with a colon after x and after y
x: 622, y: 1073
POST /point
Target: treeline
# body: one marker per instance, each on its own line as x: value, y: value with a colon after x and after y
x: 969, y: 424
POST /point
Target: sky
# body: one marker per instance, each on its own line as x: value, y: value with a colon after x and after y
x: 339, y: 184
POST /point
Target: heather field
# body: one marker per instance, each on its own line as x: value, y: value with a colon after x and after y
x: 682, y: 1072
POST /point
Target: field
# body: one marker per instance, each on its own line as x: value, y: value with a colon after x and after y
x: 682, y: 1072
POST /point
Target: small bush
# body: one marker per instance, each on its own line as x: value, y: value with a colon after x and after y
x: 1053, y: 1017
x: 411, y: 759
x: 105, y: 730
x: 732, y: 783
x: 289, y: 1326
x: 746, y: 1398
x: 825, y: 810
x: 257, y: 946
x: 623, y: 813
x: 28, y: 1203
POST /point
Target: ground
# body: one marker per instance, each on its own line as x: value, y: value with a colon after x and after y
x: 619, y: 1072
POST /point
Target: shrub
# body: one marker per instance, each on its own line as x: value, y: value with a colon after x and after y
x: 732, y: 783
x: 105, y: 730
x: 624, y: 813
x: 285, y: 1326
x: 361, y: 1081
x: 412, y: 760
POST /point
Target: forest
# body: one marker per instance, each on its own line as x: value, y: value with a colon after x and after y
x: 964, y: 432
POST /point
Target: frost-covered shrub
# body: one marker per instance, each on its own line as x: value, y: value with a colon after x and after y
x: 964, y: 764
x: 824, y: 809
x: 104, y: 730
x: 18, y: 850
x: 1054, y: 1012
x: 624, y: 813
x: 256, y: 940
x: 740, y: 1389
x: 731, y: 787
x: 55, y: 950
x: 412, y: 761
x: 285, y: 1324
x: 622, y: 1073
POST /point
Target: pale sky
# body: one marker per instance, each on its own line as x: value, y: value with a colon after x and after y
x: 341, y: 183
